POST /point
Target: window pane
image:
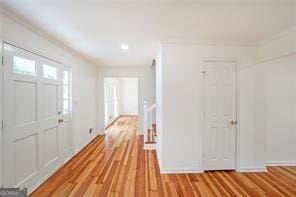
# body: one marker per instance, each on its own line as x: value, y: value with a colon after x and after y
x: 66, y: 92
x: 66, y: 106
x: 66, y: 77
x: 115, y: 92
x: 24, y: 66
x: 50, y: 72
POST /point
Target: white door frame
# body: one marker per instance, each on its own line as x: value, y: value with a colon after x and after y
x: 138, y: 77
x: 237, y: 134
x: 1, y: 115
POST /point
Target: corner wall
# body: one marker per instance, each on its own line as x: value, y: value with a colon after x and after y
x: 278, y: 71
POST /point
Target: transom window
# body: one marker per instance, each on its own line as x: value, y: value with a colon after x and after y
x: 50, y: 72
x: 24, y: 66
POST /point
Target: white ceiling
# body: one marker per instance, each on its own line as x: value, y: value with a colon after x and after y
x: 96, y: 29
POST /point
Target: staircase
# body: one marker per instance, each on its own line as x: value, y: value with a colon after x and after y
x: 151, y: 135
x: 149, y: 127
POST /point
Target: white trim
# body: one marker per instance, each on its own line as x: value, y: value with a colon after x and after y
x: 1, y: 114
x: 82, y: 146
x: 181, y: 170
x: 208, y: 42
x: 149, y: 146
x: 111, y: 122
x: 281, y: 163
x: 252, y: 169
x: 284, y: 34
x: 44, y: 178
x: 159, y: 161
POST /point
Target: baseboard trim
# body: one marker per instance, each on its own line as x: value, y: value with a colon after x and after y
x: 149, y: 146
x: 72, y: 156
x: 181, y: 170
x: 112, y: 122
x: 81, y: 147
x: 43, y: 179
x: 252, y: 169
x: 281, y: 163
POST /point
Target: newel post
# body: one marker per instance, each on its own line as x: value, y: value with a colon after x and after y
x: 145, y: 120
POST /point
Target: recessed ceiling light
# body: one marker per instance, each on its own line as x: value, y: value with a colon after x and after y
x: 124, y: 47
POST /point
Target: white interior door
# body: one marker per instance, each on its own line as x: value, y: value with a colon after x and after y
x: 220, y: 116
x: 32, y: 113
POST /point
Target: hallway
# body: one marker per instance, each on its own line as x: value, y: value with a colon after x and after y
x: 117, y: 165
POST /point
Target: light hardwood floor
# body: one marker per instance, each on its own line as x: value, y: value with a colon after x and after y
x: 117, y: 165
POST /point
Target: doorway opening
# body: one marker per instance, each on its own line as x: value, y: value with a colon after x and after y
x: 121, y: 98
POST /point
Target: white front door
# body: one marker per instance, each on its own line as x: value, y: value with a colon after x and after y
x: 32, y: 117
x: 220, y: 116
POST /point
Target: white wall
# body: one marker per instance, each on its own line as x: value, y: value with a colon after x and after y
x: 84, y: 74
x: 280, y: 117
x: 270, y: 107
x: 146, y: 77
x: 159, y: 106
x: 129, y: 96
x: 271, y: 88
x: 181, y: 105
x: 252, y: 135
x: 277, y: 74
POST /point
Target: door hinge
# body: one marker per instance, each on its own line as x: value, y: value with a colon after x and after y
x: 2, y: 60
x: 2, y: 125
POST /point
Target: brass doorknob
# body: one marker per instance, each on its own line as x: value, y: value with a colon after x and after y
x: 233, y: 122
x: 60, y: 120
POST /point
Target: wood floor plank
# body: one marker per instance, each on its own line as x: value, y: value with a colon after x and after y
x: 116, y: 165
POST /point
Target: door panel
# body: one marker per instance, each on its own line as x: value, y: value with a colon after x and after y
x: 28, y: 167
x: 50, y: 96
x: 220, y: 110
x: 50, y: 146
x: 25, y: 94
x: 32, y: 108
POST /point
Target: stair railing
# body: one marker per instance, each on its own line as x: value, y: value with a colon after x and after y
x: 148, y: 118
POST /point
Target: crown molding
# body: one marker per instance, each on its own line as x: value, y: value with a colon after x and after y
x: 284, y: 34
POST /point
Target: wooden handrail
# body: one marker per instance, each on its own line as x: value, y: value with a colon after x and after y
x: 152, y: 107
